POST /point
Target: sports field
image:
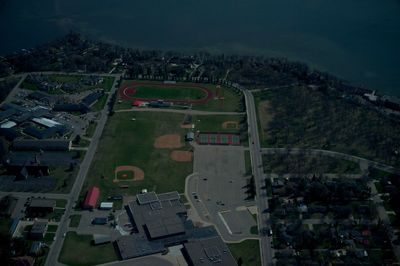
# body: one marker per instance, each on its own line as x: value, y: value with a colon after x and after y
x: 207, y: 97
x: 180, y: 93
x: 132, y: 143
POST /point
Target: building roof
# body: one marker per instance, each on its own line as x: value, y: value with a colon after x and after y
x: 8, y: 124
x: 91, y: 197
x: 39, y: 227
x: 101, y: 239
x: 133, y: 246
x: 47, y: 133
x: 71, y: 107
x: 92, y: 98
x: 42, y: 203
x: 9, y: 133
x: 43, y: 144
x: 106, y: 205
x: 46, y: 122
x: 21, y: 158
x: 158, y: 216
x: 209, y: 252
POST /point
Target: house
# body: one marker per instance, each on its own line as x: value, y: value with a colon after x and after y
x: 41, y: 206
x: 38, y: 230
x: 91, y: 198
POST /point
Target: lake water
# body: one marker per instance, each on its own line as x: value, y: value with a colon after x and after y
x: 358, y: 40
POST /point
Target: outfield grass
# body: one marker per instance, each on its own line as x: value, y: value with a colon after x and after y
x: 79, y: 251
x: 213, y: 123
x: 127, y: 142
x: 75, y: 220
x: 248, y: 250
x: 230, y: 103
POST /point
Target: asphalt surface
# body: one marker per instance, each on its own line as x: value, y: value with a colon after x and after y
x: 52, y: 258
x: 217, y: 190
x: 267, y: 253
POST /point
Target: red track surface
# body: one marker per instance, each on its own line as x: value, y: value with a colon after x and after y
x: 128, y: 92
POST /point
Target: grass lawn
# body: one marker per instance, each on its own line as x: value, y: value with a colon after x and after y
x: 5, y: 224
x: 78, y: 251
x: 254, y: 230
x: 99, y: 105
x: 90, y: 129
x: 127, y: 142
x: 60, y: 203
x: 170, y: 93
x: 213, y: 123
x: 49, y: 237
x: 64, y: 178
x: 248, y: 250
x: 52, y: 228
x: 231, y: 102
x: 247, y: 162
x: 75, y: 220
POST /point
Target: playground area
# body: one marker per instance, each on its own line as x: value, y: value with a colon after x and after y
x: 218, y: 139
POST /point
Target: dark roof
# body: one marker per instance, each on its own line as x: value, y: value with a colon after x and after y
x: 133, y: 246
x: 39, y: 227
x: 45, y: 159
x: 9, y: 133
x: 42, y: 203
x: 160, y: 218
x: 71, y: 107
x: 165, y: 227
x: 91, y: 98
x: 46, y: 133
x: 31, y: 184
x: 208, y: 252
x: 7, y: 113
x: 44, y: 144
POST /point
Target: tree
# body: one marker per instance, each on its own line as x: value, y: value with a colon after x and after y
x: 240, y: 261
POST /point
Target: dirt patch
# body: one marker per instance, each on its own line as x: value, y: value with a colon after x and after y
x: 181, y: 156
x: 171, y: 141
x: 138, y: 174
x: 187, y: 126
x: 230, y: 125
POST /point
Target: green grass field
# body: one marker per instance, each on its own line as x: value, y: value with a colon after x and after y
x: 214, y: 123
x: 127, y: 142
x: 248, y: 250
x: 79, y: 251
x: 170, y: 93
x: 232, y: 101
x: 99, y: 105
x: 75, y: 220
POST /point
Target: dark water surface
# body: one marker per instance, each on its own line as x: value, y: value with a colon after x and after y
x: 358, y: 40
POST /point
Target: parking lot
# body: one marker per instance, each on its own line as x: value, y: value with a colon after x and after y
x: 217, y: 190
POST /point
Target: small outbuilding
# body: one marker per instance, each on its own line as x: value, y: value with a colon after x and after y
x: 91, y: 198
x: 106, y: 205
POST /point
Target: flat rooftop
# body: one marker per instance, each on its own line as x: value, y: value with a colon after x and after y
x: 208, y: 252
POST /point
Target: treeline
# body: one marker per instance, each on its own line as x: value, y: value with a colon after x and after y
x: 75, y: 53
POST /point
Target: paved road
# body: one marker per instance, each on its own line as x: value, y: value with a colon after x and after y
x: 55, y: 249
x: 12, y: 93
x: 334, y: 154
x: 266, y: 250
x: 185, y: 111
